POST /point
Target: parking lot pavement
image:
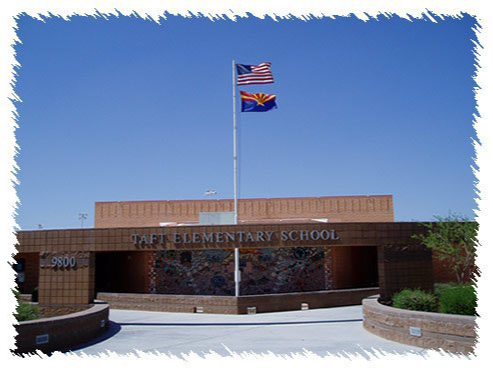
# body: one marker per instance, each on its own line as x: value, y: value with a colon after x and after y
x: 321, y: 331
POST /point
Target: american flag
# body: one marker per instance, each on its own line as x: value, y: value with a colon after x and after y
x: 248, y: 74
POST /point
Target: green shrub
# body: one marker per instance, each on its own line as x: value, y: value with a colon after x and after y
x: 26, y: 311
x: 415, y: 300
x: 441, y: 287
x: 458, y: 300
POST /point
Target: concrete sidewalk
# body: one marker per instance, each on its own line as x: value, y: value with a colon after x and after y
x: 321, y: 331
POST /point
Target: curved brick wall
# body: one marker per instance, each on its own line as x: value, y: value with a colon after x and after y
x: 62, y: 332
x: 452, y: 333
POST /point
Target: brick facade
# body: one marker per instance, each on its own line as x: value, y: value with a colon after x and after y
x: 173, y: 260
x: 335, y: 209
x: 404, y: 266
x: 65, y: 284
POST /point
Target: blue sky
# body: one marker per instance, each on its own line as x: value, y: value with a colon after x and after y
x: 127, y: 109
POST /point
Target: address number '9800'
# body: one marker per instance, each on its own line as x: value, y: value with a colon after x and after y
x: 63, y: 262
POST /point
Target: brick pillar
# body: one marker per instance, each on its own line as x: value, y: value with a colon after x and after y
x: 66, y: 278
x: 404, y: 266
x: 153, y: 256
x: 328, y: 268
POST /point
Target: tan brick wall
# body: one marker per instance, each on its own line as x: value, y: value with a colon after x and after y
x: 66, y: 285
x: 452, y: 333
x: 336, y: 209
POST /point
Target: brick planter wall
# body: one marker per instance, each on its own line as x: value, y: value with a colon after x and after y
x: 293, y: 301
x: 452, y: 333
x: 234, y: 305
x: 170, y: 303
x: 62, y: 332
x: 47, y: 311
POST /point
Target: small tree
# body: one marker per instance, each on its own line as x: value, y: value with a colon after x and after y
x: 452, y: 239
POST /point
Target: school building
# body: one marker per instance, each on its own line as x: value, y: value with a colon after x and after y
x: 178, y: 255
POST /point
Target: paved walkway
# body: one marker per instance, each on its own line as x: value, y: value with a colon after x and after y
x: 321, y: 331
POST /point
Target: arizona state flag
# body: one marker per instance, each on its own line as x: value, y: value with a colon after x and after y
x: 257, y: 102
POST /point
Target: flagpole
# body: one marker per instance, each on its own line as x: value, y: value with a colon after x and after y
x: 235, y: 184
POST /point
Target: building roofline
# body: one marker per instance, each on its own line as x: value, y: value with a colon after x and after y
x: 298, y: 224
x: 247, y: 199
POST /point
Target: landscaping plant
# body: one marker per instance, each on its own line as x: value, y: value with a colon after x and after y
x: 415, y: 300
x: 24, y: 310
x: 453, y: 240
x: 458, y: 300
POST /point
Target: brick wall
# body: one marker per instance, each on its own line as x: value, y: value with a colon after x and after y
x: 451, y: 333
x: 63, y: 332
x: 294, y: 301
x: 170, y: 303
x: 337, y: 209
x: 404, y: 266
x: 120, y: 239
x: 66, y: 285
x: 31, y: 271
x: 444, y: 273
x: 61, y: 309
x: 236, y: 305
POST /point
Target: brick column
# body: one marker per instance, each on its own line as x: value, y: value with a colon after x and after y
x: 66, y: 278
x: 329, y: 284
x: 404, y: 266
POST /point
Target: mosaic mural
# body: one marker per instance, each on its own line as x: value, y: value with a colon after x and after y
x: 264, y: 271
x: 193, y: 272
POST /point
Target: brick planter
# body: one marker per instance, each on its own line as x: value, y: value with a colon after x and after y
x: 236, y: 305
x: 62, y: 332
x: 452, y: 333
